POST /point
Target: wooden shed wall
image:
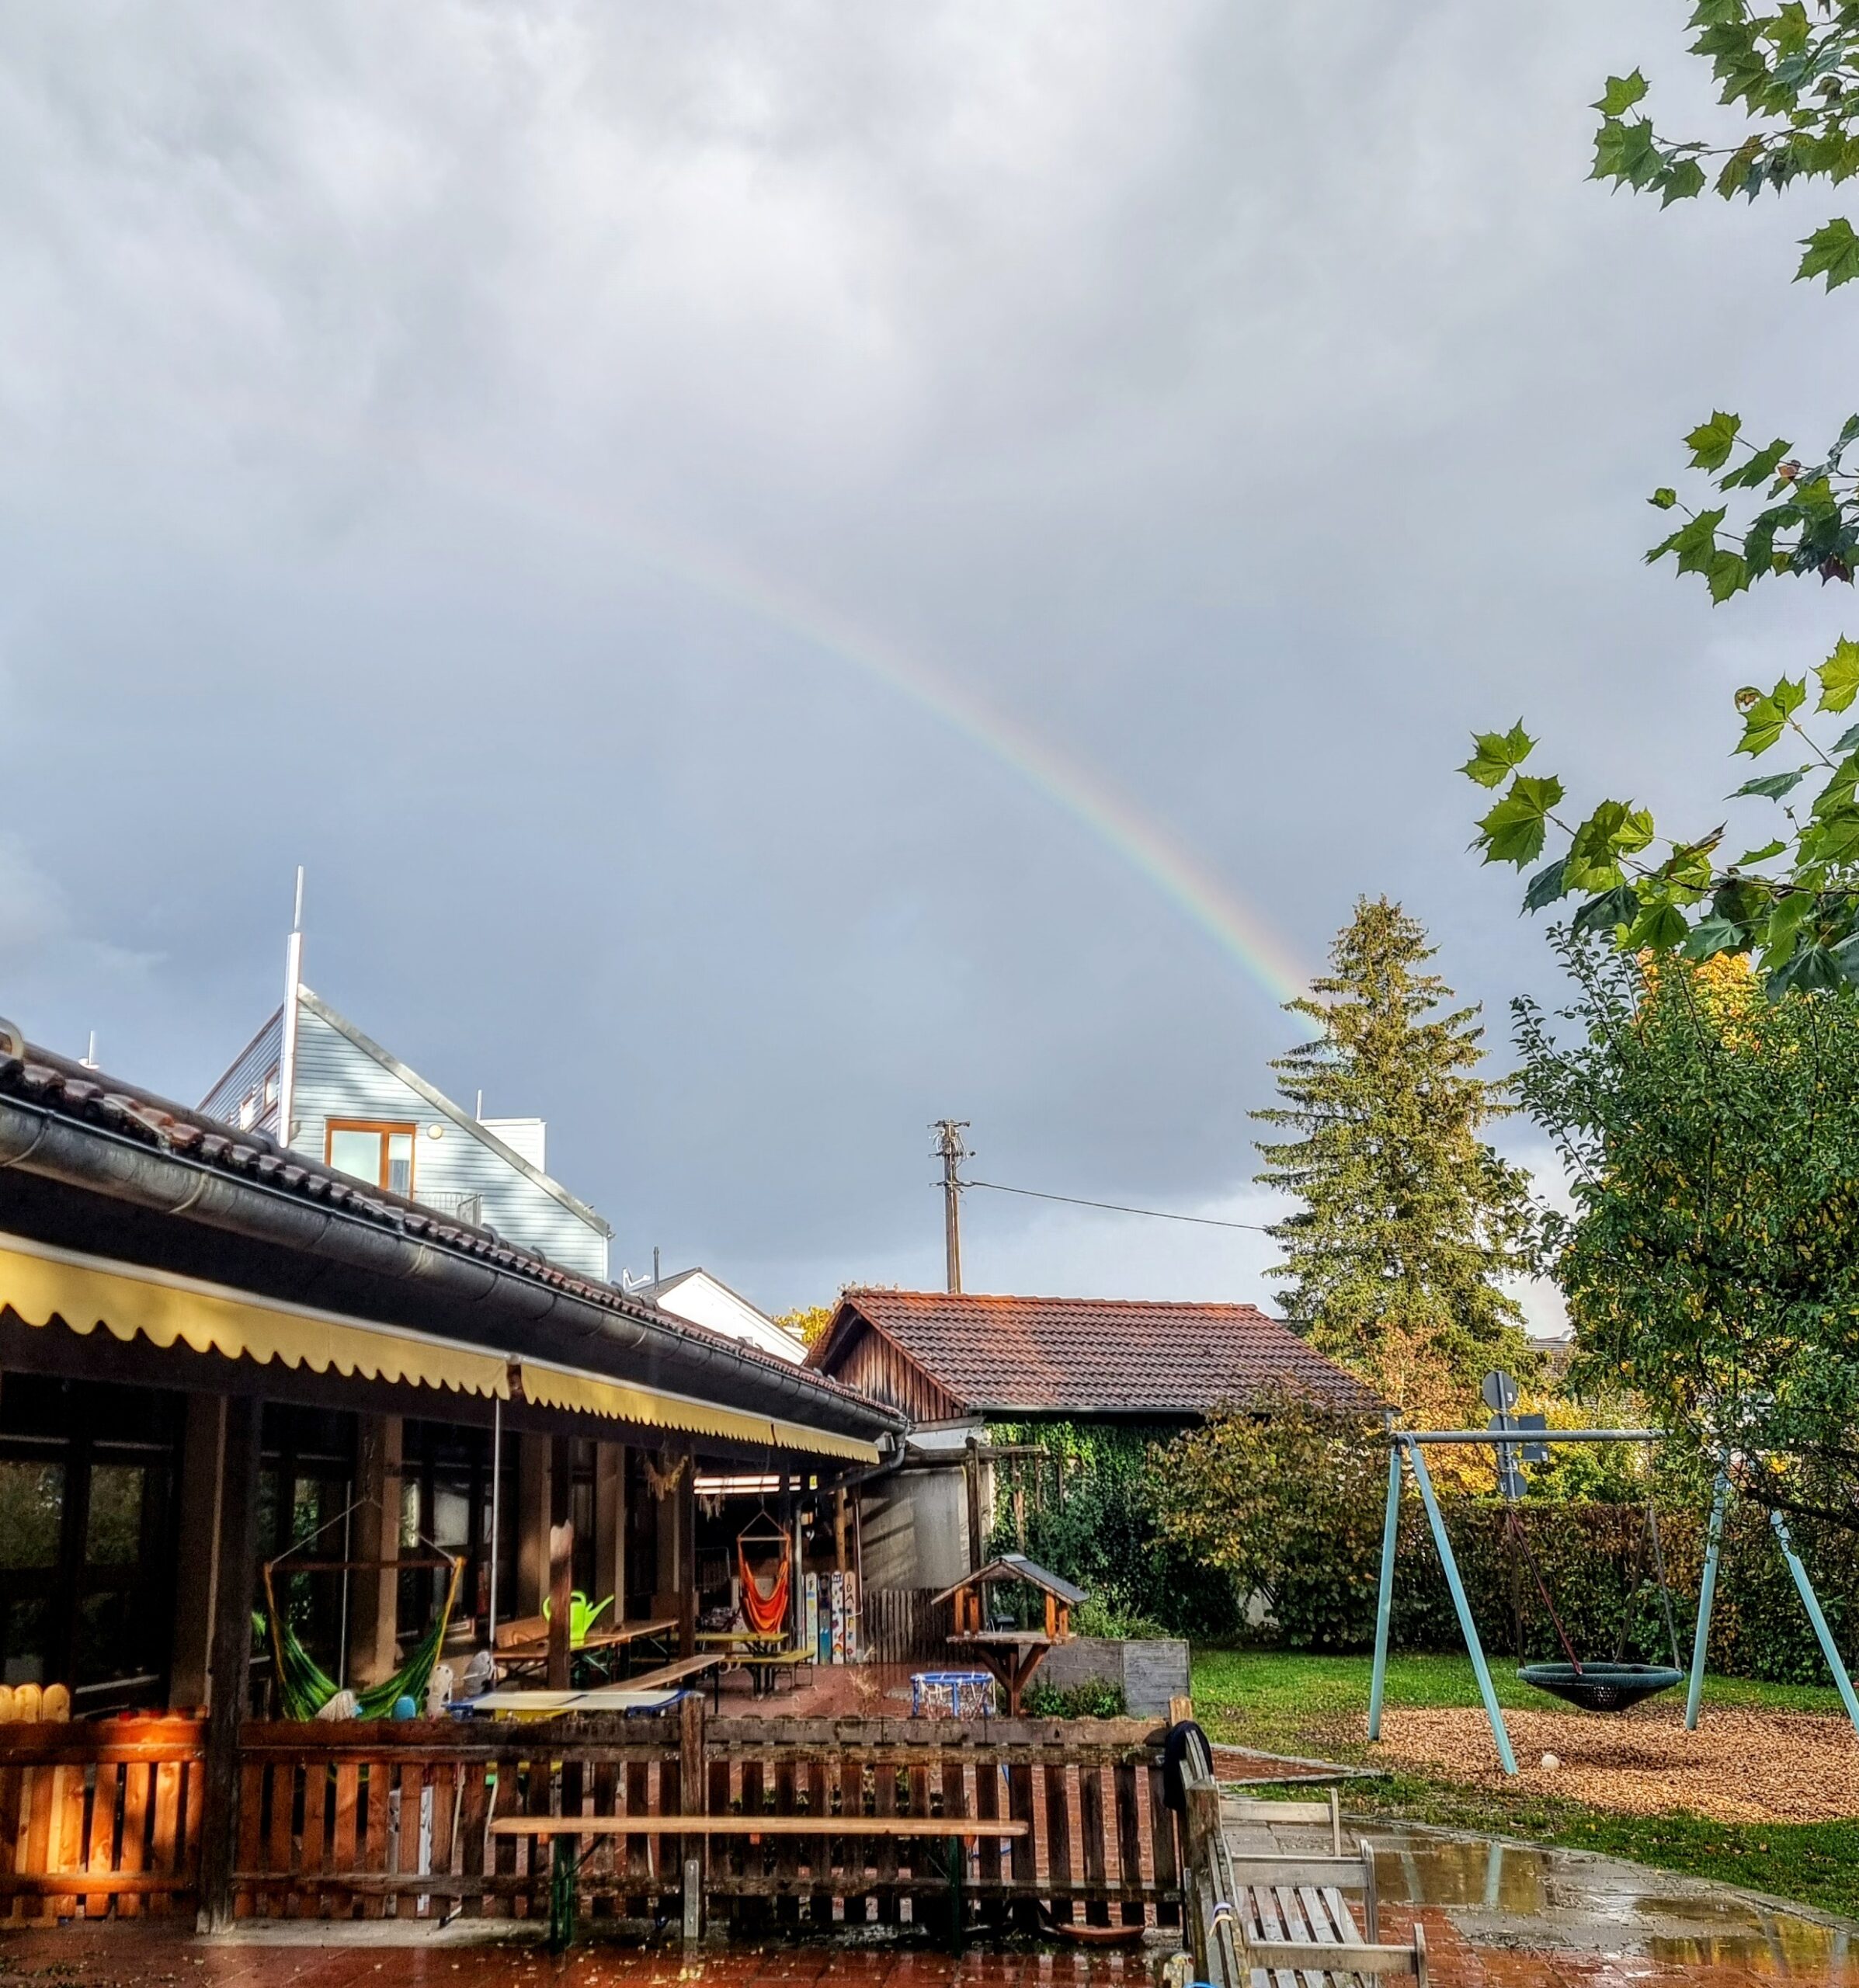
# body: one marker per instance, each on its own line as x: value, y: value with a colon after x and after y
x: 872, y: 1365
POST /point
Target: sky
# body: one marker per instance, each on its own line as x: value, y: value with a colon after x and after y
x: 790, y: 571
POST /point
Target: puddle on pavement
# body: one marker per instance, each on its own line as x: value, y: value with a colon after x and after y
x: 1503, y: 1894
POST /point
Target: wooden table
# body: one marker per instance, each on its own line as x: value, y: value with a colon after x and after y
x: 1011, y: 1655
x: 759, y: 1655
x: 531, y: 1651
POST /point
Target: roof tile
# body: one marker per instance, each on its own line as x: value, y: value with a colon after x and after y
x: 1097, y: 1355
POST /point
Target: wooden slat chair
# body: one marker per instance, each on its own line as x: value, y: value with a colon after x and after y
x: 1292, y: 1923
x: 1251, y: 1809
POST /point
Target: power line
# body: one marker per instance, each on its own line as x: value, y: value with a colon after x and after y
x: 1117, y: 1207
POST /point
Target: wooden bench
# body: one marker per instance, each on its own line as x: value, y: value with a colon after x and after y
x: 677, y: 1671
x: 1289, y: 1912
x: 1252, y: 1809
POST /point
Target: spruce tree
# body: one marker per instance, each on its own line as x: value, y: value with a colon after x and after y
x: 1392, y: 1265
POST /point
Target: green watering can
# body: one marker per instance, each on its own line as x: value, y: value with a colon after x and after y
x: 582, y: 1615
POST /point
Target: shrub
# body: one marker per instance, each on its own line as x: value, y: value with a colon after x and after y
x: 1284, y: 1500
x: 1098, y: 1698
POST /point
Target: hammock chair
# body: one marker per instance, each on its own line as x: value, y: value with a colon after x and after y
x: 765, y: 1612
x: 304, y: 1688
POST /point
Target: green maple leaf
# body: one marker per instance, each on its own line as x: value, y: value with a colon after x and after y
x: 1683, y: 180
x: 1771, y: 787
x: 1659, y: 927
x: 1546, y: 885
x: 1514, y: 829
x: 1832, y: 251
x: 1758, y: 469
x: 1766, y: 716
x: 1619, y: 906
x: 1760, y: 855
x: 1496, y: 753
x: 1620, y: 95
x: 1626, y: 151
x: 1711, y: 936
x: 1840, y: 676
x: 1711, y: 441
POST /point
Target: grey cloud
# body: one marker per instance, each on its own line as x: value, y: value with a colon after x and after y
x: 1247, y: 401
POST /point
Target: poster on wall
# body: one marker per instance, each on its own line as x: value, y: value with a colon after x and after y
x: 810, y: 1617
x: 852, y: 1616
x: 839, y: 1618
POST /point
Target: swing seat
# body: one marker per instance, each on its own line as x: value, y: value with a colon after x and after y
x: 1602, y: 1687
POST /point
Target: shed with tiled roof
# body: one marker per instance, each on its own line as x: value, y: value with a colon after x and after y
x: 948, y: 1355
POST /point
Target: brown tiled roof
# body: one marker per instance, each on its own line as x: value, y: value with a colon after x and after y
x: 1103, y: 1356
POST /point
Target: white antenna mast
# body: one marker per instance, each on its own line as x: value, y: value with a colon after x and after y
x: 294, y: 977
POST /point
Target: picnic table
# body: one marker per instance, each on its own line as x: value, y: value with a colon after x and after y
x: 522, y: 1646
x: 763, y: 1656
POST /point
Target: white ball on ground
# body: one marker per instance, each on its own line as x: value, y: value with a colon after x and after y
x: 1552, y: 1760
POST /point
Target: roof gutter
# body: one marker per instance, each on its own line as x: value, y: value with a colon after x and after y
x: 37, y: 1140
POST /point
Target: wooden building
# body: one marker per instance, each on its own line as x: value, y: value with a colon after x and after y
x: 958, y: 1362
x: 213, y: 1344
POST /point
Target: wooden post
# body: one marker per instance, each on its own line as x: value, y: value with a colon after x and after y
x: 202, y: 1462
x: 236, y: 1551
x: 687, y: 1557
x: 839, y: 1527
x: 609, y: 1528
x: 692, y: 1792
x: 532, y: 1512
x: 971, y: 1485
x: 374, y: 1614
x: 561, y: 1560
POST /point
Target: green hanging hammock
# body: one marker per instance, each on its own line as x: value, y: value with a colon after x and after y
x: 304, y: 1688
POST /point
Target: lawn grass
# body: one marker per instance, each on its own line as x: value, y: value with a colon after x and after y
x: 1289, y: 1702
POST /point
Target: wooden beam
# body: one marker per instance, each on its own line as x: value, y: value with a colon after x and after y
x: 561, y: 1560
x: 235, y: 1548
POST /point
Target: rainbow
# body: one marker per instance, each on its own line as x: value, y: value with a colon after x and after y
x: 1233, y: 926
x: 1084, y: 794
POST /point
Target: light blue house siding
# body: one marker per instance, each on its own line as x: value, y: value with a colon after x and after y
x: 460, y: 1168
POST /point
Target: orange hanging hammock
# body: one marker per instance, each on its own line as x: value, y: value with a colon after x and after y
x: 767, y: 1613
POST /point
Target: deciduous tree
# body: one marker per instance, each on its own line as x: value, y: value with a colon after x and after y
x: 1711, y: 1263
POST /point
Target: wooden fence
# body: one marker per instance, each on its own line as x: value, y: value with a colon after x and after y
x: 101, y: 1818
x: 904, y: 1625
x: 364, y: 1819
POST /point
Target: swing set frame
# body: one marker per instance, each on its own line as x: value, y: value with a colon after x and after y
x: 1408, y: 1446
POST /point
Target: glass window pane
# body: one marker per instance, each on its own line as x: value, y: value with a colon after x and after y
x: 357, y: 1153
x: 28, y: 1625
x: 400, y: 1163
x: 32, y: 1513
x: 113, y: 1532
x: 451, y: 1517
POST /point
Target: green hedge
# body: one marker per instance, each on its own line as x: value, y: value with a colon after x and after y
x: 1102, y: 1535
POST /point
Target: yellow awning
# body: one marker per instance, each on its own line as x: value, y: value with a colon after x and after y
x: 587, y: 1394
x: 40, y: 1283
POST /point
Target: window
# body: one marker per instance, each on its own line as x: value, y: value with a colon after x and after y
x: 249, y: 1111
x: 379, y: 1154
x: 270, y: 1088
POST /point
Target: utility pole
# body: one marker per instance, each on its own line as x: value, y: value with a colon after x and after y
x: 949, y: 1146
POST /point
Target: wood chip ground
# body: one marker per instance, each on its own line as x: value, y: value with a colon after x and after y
x: 1739, y: 1766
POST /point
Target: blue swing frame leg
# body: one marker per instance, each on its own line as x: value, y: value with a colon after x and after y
x: 1707, y: 1594
x: 1384, y: 1594
x: 1474, y: 1649
x: 1829, y: 1649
